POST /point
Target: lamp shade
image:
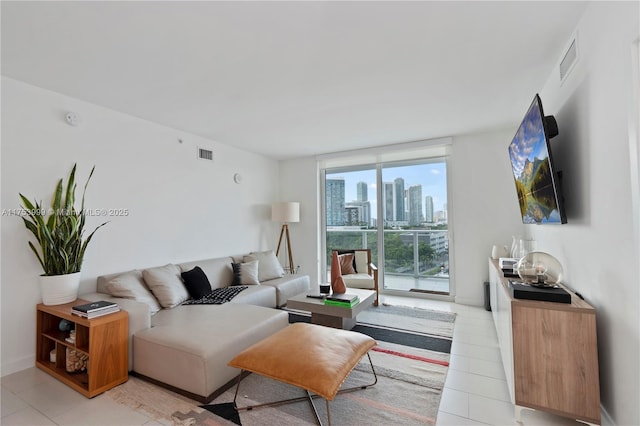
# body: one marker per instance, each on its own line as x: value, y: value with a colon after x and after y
x: 285, y: 212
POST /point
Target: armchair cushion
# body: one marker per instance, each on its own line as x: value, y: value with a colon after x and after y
x: 359, y: 281
x: 362, y: 261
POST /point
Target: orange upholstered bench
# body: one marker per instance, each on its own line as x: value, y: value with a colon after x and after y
x: 315, y: 358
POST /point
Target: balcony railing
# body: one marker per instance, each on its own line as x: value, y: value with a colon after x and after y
x: 412, y: 256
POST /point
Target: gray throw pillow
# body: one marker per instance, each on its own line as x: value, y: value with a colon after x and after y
x: 269, y: 267
x: 130, y: 285
x: 165, y: 283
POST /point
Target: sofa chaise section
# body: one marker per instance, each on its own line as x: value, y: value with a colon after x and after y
x: 189, y: 349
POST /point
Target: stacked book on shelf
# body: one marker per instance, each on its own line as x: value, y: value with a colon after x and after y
x: 344, y: 300
x: 95, y: 309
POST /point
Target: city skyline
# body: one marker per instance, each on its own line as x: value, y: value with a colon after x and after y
x: 430, y: 176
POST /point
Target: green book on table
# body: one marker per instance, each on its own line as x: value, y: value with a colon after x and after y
x: 345, y: 304
x: 344, y: 298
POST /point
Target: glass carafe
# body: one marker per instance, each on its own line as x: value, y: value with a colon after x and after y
x: 521, y: 246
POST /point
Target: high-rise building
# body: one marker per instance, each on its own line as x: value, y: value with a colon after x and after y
x: 362, y: 191
x: 428, y: 208
x: 398, y: 185
x: 351, y: 215
x: 363, y: 209
x: 414, y: 203
x: 387, y: 202
x: 335, y: 202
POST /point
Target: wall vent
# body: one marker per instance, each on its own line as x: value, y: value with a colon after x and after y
x: 205, y: 154
x: 569, y: 60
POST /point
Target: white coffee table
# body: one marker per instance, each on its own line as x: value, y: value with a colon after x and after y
x: 329, y: 315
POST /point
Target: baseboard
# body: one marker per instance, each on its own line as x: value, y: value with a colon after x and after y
x: 18, y: 365
x: 471, y: 301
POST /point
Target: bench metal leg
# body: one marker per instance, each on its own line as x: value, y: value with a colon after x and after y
x: 308, y: 397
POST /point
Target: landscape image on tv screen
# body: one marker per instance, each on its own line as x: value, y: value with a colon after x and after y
x: 532, y: 170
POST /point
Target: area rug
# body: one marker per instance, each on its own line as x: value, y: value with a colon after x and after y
x: 408, y: 392
x: 410, y: 382
x: 403, y: 325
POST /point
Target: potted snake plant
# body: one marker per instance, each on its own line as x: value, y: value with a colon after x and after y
x: 60, y: 246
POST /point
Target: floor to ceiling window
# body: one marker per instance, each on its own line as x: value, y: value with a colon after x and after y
x: 399, y: 210
x: 416, y: 235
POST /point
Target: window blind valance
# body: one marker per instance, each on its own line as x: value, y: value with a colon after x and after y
x: 385, y: 154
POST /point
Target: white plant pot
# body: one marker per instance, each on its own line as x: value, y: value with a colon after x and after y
x: 59, y: 289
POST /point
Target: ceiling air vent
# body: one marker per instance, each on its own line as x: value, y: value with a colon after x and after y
x: 569, y: 60
x: 205, y: 154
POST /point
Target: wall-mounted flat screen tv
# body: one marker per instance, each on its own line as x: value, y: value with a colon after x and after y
x: 537, y: 184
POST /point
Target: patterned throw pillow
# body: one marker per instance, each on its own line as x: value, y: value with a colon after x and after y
x: 346, y: 263
x: 245, y: 273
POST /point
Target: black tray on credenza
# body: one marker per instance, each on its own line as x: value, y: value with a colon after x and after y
x: 510, y: 273
x: 520, y: 290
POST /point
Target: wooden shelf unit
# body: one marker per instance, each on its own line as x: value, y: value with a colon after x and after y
x: 104, y: 340
x: 549, y: 351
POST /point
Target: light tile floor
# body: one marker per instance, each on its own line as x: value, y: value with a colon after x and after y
x: 475, y: 391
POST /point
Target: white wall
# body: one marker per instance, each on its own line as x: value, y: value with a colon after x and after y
x: 180, y: 208
x: 597, y: 247
x: 299, y: 180
x: 484, y: 206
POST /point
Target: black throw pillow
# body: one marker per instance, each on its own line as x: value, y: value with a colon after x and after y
x: 197, y: 283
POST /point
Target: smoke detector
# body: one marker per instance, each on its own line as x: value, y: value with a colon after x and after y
x: 72, y: 119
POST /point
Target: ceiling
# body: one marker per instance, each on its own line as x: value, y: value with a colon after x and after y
x: 293, y: 79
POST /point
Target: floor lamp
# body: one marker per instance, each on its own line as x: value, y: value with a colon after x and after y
x: 287, y: 212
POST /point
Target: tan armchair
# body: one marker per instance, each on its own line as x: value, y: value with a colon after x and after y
x: 362, y: 273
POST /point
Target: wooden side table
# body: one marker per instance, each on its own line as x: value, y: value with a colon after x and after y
x: 102, y: 341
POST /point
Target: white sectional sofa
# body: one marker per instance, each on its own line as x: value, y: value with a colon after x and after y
x: 187, y: 347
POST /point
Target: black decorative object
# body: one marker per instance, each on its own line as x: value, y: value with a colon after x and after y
x: 545, y: 294
x: 225, y: 410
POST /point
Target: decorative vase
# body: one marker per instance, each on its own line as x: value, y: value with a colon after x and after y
x: 515, y: 245
x: 59, y: 289
x: 337, y: 282
x: 498, y: 251
x: 520, y: 246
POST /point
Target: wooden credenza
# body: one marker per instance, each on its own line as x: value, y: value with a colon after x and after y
x: 549, y: 352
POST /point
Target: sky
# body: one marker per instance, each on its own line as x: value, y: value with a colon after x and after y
x: 432, y: 177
